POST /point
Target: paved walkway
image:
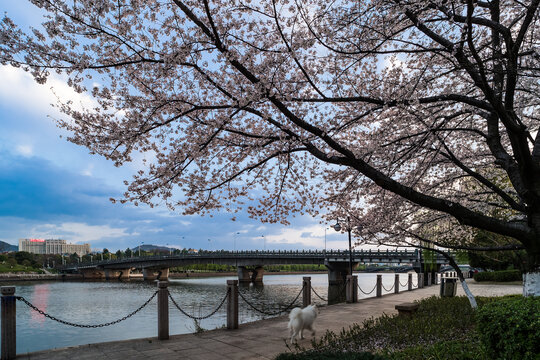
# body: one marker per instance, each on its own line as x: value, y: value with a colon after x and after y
x: 257, y: 340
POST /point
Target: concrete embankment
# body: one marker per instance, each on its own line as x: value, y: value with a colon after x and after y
x: 257, y: 340
x: 36, y: 277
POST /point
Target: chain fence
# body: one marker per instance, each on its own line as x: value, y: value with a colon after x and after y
x: 199, y: 317
x: 316, y: 294
x: 404, y: 285
x: 388, y: 290
x: 367, y: 293
x: 414, y: 285
x: 22, y: 299
x: 268, y: 313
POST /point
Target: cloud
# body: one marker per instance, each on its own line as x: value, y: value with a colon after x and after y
x: 82, y: 232
x: 17, y: 85
x: 25, y: 150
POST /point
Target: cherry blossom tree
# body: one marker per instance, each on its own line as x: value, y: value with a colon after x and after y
x: 294, y: 105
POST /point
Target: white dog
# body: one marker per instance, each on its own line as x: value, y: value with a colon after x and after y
x: 300, y: 319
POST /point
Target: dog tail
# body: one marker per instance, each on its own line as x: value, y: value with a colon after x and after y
x: 295, y: 313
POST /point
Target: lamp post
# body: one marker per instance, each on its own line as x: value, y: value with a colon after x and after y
x: 264, y: 242
x: 140, y: 249
x: 337, y: 227
x: 234, y: 238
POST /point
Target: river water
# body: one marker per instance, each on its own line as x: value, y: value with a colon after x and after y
x: 93, y: 303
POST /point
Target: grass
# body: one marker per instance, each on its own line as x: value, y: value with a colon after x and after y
x: 6, y: 268
x: 442, y: 328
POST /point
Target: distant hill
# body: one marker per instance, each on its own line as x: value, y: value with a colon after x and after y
x: 4, y: 247
x: 152, y: 248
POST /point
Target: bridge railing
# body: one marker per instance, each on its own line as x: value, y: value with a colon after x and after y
x: 323, y: 254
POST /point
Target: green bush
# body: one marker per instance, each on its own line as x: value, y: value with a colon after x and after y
x: 510, y: 328
x: 447, y: 350
x: 499, y: 276
x: 330, y: 355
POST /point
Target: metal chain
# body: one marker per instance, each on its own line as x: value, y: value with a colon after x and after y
x: 272, y: 313
x: 319, y: 296
x: 385, y: 289
x: 20, y: 298
x: 414, y: 285
x: 199, y: 317
x: 403, y: 285
x: 367, y: 293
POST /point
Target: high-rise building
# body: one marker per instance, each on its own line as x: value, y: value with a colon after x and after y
x: 52, y: 246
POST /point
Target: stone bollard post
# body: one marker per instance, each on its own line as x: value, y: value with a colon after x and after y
x: 429, y: 279
x: 306, y: 291
x: 379, y: 285
x: 420, y: 280
x: 232, y: 304
x: 9, y: 336
x: 396, y: 284
x: 352, y: 289
x: 163, y: 310
x: 409, y: 282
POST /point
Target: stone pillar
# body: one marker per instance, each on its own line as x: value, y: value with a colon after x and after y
x: 9, y: 336
x: 409, y: 282
x: 352, y: 289
x: 379, y: 285
x: 163, y: 310
x: 163, y: 274
x: 306, y: 291
x: 428, y: 283
x: 243, y: 275
x: 396, y: 284
x: 420, y: 280
x: 232, y: 304
x: 257, y: 275
x: 149, y: 274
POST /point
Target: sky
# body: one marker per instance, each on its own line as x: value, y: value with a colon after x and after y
x: 51, y: 188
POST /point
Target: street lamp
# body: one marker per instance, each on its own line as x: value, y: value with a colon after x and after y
x: 234, y: 237
x: 140, y: 249
x: 264, y: 242
x: 337, y: 227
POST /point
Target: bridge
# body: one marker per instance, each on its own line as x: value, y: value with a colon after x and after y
x: 250, y: 264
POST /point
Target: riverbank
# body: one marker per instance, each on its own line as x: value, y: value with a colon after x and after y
x: 38, y: 277
x: 257, y: 340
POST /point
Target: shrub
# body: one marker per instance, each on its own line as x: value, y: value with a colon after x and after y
x: 447, y: 350
x: 330, y: 355
x: 499, y: 276
x: 510, y: 328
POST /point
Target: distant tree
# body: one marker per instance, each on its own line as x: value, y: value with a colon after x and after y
x: 119, y: 254
x: 105, y: 251
x: 128, y: 252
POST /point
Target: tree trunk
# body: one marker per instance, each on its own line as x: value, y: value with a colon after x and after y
x: 531, y: 283
x: 531, y: 275
x: 465, y: 287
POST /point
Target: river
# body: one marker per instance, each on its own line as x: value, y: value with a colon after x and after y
x: 101, y: 302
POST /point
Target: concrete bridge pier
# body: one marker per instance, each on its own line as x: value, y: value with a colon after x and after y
x: 92, y: 274
x: 337, y: 272
x: 243, y: 275
x: 117, y: 274
x: 257, y: 275
x: 161, y: 274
